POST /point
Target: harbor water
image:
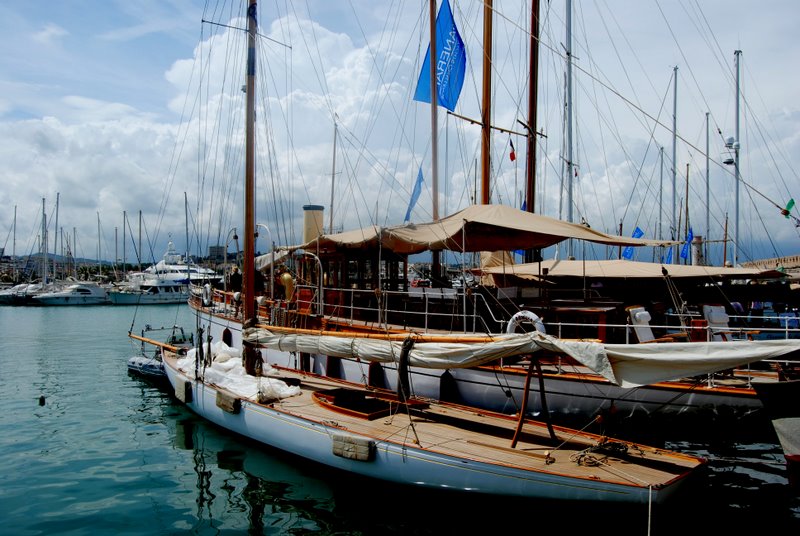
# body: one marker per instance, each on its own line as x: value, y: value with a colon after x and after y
x: 87, y: 449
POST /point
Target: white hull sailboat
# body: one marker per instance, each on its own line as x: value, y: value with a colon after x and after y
x: 395, y: 436
x: 430, y: 445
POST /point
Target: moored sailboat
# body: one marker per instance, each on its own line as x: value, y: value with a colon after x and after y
x: 394, y: 435
x: 357, y: 282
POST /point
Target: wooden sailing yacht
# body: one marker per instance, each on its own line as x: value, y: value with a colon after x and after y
x: 390, y: 434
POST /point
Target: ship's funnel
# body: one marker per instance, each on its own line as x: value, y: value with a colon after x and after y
x: 312, y: 222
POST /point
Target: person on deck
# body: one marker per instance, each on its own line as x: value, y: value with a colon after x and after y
x: 235, y: 280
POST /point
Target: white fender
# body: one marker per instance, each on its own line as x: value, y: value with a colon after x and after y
x: 525, y: 316
x: 206, y: 294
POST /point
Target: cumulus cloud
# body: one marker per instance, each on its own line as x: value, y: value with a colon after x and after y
x: 108, y: 155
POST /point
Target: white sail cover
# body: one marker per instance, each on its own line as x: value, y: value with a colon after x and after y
x: 633, y: 365
x: 627, y: 365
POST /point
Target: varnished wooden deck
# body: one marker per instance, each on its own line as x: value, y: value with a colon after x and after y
x: 487, y: 437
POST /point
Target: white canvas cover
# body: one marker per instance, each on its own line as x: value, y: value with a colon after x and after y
x: 627, y: 365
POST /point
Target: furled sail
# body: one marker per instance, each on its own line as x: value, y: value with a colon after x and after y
x: 627, y: 365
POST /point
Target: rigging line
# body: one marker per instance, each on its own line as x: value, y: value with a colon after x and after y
x: 725, y: 69
x: 385, y: 97
x: 747, y: 105
x: 259, y: 34
x: 631, y: 48
x: 614, y: 46
x: 318, y: 67
x: 469, y: 35
x: 634, y: 106
x: 767, y: 146
x: 383, y: 81
x: 581, y: 142
x: 758, y: 214
x: 180, y: 142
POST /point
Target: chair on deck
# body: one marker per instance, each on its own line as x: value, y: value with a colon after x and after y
x: 640, y: 321
x: 718, y: 320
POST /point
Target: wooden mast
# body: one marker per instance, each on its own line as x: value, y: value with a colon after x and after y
x: 487, y: 101
x: 436, y: 265
x: 532, y: 255
x: 248, y: 264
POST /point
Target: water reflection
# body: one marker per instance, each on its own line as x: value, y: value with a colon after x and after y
x: 231, y: 484
x: 236, y: 480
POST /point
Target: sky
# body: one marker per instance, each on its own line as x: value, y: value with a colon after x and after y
x: 102, y: 118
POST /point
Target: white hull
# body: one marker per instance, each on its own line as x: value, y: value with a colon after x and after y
x: 567, y: 395
x: 144, y: 298
x: 74, y: 294
x: 71, y: 300
x: 394, y: 460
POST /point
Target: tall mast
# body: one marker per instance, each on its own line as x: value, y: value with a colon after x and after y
x: 660, y: 193
x: 333, y: 173
x: 248, y: 278
x: 140, y: 240
x: 570, y: 171
x: 43, y: 244
x: 736, y: 146
x: 434, y: 114
x: 486, y: 101
x: 674, y: 152
x: 708, y: 201
x: 124, y: 238
x: 55, y: 237
x: 436, y: 268
x: 248, y: 264
x: 186, y: 219
x: 14, y: 246
x: 99, y: 262
x: 533, y: 73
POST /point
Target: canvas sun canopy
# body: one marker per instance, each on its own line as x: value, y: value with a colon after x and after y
x: 625, y: 269
x: 476, y: 228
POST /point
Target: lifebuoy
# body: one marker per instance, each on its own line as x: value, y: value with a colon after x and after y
x: 525, y: 316
x: 207, y: 294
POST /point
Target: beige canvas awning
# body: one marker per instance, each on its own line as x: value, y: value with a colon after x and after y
x: 625, y: 269
x: 476, y: 228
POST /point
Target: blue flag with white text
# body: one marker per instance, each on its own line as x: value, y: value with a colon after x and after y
x: 687, y: 244
x: 628, y: 252
x: 451, y: 63
x: 414, y: 195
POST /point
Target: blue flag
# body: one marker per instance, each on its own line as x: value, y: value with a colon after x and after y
x: 628, y: 252
x: 414, y: 195
x: 687, y: 244
x: 451, y: 63
x: 669, y: 256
